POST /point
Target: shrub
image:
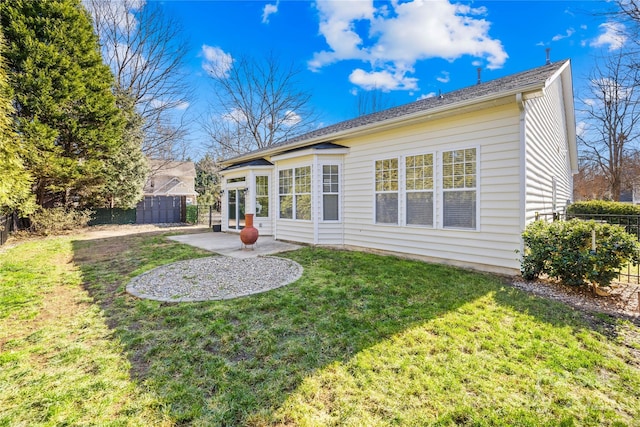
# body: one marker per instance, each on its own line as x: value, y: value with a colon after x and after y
x: 602, y: 207
x: 56, y: 220
x: 192, y: 214
x: 563, y: 250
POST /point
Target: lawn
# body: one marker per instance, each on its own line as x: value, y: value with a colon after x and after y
x: 359, y: 340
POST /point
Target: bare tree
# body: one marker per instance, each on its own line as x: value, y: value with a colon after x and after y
x: 610, y: 114
x: 590, y: 183
x: 259, y: 104
x: 145, y: 50
x: 372, y: 101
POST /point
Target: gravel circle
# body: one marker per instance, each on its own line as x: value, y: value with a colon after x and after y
x: 214, y: 278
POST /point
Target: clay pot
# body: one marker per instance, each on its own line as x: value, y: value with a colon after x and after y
x: 249, y: 234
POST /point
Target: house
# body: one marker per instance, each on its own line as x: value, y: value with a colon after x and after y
x: 171, y: 178
x: 169, y: 189
x: 451, y: 179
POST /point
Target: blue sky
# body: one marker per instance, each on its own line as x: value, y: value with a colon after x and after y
x: 408, y: 49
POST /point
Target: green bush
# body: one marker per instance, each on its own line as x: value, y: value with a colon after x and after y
x: 57, y: 220
x: 563, y: 250
x: 192, y: 214
x: 602, y: 207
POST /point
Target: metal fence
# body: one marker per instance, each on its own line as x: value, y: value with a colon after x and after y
x: 113, y: 216
x: 207, y: 215
x: 631, y: 223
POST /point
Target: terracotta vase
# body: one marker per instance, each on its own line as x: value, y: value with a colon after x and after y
x: 249, y: 234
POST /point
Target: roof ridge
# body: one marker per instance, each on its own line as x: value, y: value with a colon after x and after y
x: 502, y: 84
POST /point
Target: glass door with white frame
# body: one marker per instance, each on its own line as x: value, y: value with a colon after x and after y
x: 236, y: 203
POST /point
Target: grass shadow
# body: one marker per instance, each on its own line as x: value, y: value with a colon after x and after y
x: 230, y: 362
x: 237, y: 362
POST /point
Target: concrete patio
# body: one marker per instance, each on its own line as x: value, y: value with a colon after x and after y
x: 229, y: 244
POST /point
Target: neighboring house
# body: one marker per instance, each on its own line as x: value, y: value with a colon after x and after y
x: 451, y: 179
x: 171, y: 178
x: 170, y: 188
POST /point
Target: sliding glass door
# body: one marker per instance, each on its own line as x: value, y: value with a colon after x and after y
x: 236, y: 208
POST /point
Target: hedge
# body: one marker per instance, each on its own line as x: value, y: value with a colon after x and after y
x: 563, y: 250
x: 602, y: 207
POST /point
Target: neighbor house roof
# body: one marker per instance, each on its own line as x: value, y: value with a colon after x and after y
x: 172, y: 168
x: 536, y: 78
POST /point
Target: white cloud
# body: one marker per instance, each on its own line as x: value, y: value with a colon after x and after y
x: 235, y: 116
x: 268, y: 10
x: 581, y: 128
x: 612, y: 35
x: 610, y: 89
x: 123, y: 12
x: 182, y: 106
x: 427, y: 95
x: 568, y: 34
x: 216, y: 61
x: 382, y: 80
x: 392, y: 38
x: 291, y: 118
x: 444, y: 78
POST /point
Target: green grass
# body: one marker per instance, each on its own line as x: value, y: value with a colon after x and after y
x: 359, y: 340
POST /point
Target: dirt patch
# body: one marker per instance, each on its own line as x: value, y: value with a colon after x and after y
x: 106, y: 231
x: 622, y: 300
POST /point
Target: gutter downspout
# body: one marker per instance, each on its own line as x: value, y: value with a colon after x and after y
x: 523, y: 166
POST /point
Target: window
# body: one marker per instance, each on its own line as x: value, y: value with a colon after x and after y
x: 303, y: 192
x: 419, y: 189
x: 386, y: 191
x: 285, y: 191
x: 459, y: 188
x: 295, y: 193
x: 262, y: 196
x: 330, y: 187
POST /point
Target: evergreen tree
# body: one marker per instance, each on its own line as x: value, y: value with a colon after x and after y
x: 129, y: 168
x: 66, y: 111
x: 207, y: 182
x: 15, y: 181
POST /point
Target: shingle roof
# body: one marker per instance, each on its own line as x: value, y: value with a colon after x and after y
x: 530, y: 78
x: 172, y: 168
x: 255, y: 162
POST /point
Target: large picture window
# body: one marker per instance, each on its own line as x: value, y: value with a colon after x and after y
x: 262, y: 196
x: 386, y: 189
x: 459, y: 180
x: 294, y: 189
x: 330, y: 193
x: 419, y: 189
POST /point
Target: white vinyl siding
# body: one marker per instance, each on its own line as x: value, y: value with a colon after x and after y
x: 495, y: 134
x: 520, y: 150
x: 547, y: 158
